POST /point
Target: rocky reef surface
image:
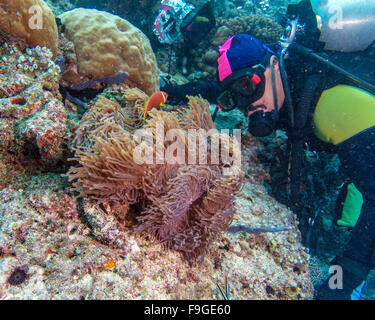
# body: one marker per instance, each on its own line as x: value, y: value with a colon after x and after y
x: 56, y: 241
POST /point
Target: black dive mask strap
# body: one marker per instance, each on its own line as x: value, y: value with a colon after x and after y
x: 274, y: 89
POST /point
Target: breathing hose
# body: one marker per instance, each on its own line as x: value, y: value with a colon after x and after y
x: 356, y: 80
x: 284, y: 80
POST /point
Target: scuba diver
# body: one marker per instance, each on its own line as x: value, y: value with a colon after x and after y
x: 184, y: 21
x: 318, y: 86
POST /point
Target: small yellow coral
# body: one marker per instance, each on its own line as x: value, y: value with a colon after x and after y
x: 110, y: 264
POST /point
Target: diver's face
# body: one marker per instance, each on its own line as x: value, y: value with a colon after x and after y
x: 266, y: 102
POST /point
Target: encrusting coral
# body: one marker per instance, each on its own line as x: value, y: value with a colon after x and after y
x: 185, y: 206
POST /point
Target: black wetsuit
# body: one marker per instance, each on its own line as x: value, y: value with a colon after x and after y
x: 307, y: 80
x: 357, y: 157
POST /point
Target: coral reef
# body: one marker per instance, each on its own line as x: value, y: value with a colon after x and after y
x: 140, y: 13
x: 274, y: 9
x: 32, y: 116
x: 185, y: 206
x: 106, y: 44
x: 31, y: 21
x: 59, y: 6
x: 55, y: 245
x: 260, y: 26
x: 44, y: 232
x: 222, y: 34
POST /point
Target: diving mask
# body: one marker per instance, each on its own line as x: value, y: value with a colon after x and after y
x: 242, y: 88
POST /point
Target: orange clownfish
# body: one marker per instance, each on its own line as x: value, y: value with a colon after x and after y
x: 156, y: 100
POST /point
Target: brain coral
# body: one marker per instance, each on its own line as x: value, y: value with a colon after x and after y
x: 105, y: 43
x: 20, y: 19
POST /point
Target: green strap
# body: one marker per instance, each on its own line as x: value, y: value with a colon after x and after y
x: 352, y: 207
